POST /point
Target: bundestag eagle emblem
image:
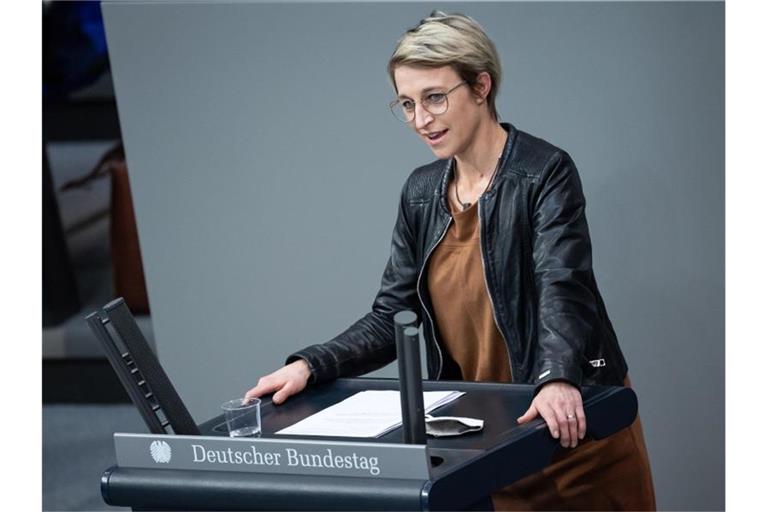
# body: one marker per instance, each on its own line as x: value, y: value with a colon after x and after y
x: 160, y: 451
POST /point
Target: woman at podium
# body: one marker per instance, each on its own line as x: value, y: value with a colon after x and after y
x: 491, y: 248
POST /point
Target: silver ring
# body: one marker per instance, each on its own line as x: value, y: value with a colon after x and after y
x: 570, y: 416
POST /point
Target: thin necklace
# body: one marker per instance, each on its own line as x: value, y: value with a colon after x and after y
x: 464, y: 206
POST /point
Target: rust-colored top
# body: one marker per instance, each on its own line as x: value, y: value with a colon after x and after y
x: 462, y: 306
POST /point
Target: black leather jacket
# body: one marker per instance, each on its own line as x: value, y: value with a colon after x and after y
x: 537, y: 261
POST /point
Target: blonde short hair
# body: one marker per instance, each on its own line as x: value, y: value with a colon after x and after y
x: 452, y: 40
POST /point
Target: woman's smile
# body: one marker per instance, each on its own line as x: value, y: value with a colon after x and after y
x: 436, y: 137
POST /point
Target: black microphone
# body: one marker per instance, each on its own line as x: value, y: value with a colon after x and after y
x: 409, y: 370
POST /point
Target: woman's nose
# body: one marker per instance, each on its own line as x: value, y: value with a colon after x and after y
x: 422, y: 117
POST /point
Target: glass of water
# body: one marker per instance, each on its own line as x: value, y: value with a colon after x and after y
x: 243, y: 417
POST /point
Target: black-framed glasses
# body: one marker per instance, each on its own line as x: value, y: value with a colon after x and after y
x: 435, y: 103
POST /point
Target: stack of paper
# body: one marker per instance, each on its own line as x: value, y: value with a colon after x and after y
x: 365, y: 414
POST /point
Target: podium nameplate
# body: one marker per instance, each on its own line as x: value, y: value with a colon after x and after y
x: 274, y: 456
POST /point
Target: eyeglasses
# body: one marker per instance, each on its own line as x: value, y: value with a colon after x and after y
x: 435, y: 103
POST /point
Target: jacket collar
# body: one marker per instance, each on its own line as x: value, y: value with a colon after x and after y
x: 451, y: 163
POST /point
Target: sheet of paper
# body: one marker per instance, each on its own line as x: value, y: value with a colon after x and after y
x: 364, y: 414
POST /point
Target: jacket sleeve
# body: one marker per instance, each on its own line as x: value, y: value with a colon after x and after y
x: 562, y: 256
x: 369, y: 343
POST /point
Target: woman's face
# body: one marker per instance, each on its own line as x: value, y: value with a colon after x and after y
x: 451, y: 132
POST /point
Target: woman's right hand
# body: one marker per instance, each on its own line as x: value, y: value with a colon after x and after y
x: 286, y: 381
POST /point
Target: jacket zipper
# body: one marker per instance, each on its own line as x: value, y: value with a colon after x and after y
x: 488, y: 288
x: 423, y: 306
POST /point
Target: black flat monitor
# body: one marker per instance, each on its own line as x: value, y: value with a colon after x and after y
x: 139, y: 370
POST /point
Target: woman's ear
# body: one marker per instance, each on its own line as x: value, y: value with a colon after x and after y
x: 482, y: 87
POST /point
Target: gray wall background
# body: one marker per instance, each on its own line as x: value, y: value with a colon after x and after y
x: 266, y: 171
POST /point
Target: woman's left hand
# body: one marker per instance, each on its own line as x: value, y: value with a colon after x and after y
x: 559, y: 404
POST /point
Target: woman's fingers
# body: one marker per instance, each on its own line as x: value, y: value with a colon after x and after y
x: 280, y: 396
x: 286, y: 381
x: 564, y: 426
x: 264, y: 386
x: 559, y: 426
x: 573, y: 429
x: 567, y: 412
x: 582, y: 419
x: 529, y: 415
x: 549, y: 415
x: 288, y: 389
x: 560, y: 405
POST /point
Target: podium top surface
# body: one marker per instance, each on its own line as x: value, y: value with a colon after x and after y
x: 498, y: 405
